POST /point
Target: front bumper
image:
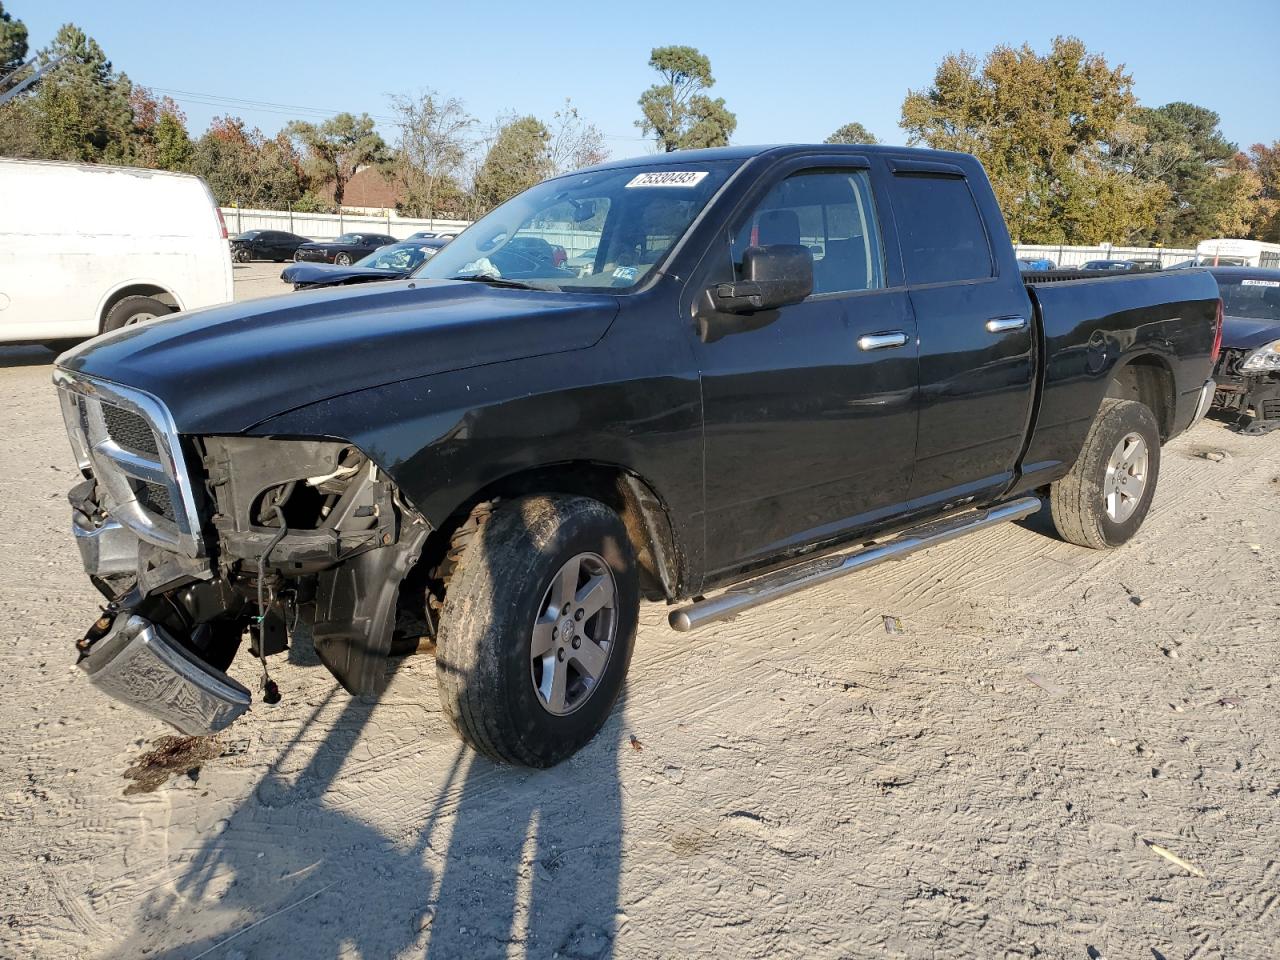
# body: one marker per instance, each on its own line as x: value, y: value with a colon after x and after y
x: 135, y: 661
x: 107, y: 549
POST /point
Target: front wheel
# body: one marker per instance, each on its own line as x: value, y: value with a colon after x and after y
x: 241, y: 255
x: 1102, y: 502
x: 537, y: 629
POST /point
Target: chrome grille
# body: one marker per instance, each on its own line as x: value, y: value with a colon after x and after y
x: 127, y: 439
x: 129, y: 430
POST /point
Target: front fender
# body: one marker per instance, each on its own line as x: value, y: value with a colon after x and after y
x: 445, y: 437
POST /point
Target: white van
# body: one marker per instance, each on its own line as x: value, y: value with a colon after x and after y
x: 85, y: 249
x: 1229, y: 252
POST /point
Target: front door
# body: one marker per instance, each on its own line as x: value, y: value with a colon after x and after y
x: 810, y: 411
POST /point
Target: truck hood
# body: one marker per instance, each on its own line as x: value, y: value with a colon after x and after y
x: 1242, y: 333
x: 225, y: 369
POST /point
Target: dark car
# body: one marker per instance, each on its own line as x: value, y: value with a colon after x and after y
x: 1121, y: 266
x: 392, y: 262
x: 431, y: 235
x: 777, y: 356
x: 538, y: 250
x: 344, y: 251
x: 277, y: 245
x: 1248, y: 372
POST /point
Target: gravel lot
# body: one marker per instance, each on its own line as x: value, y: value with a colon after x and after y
x: 996, y: 780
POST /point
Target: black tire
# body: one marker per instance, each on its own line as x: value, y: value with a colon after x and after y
x: 241, y: 255
x: 297, y: 256
x: 343, y: 259
x: 1078, y: 500
x: 495, y: 594
x: 132, y: 310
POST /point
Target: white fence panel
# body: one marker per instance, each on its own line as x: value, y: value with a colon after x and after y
x: 326, y: 226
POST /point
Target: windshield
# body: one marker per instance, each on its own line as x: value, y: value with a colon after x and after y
x: 632, y: 216
x: 1251, y: 299
x: 399, y: 256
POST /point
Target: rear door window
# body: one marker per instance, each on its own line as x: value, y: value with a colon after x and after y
x: 940, y: 229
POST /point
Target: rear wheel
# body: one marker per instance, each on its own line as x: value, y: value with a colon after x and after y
x: 1102, y: 502
x: 537, y: 629
x: 133, y: 310
x: 343, y: 260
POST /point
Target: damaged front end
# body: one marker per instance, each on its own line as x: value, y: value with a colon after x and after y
x: 197, y: 542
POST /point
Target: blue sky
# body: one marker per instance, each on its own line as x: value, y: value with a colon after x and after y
x: 792, y: 71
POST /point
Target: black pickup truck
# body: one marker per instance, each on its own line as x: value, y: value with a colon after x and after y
x: 782, y: 365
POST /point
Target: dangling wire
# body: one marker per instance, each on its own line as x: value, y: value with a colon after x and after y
x: 270, y: 692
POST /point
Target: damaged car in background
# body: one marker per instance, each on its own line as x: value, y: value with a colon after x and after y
x: 782, y: 365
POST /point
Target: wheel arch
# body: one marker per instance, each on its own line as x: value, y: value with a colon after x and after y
x: 1147, y: 378
x: 136, y: 288
x: 644, y: 514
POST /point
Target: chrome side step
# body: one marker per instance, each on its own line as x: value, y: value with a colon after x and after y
x: 810, y: 573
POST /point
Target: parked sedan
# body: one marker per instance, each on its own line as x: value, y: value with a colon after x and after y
x: 393, y: 262
x: 344, y: 251
x: 277, y: 245
x: 1248, y: 371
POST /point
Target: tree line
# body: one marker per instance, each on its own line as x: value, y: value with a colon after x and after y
x: 1073, y: 156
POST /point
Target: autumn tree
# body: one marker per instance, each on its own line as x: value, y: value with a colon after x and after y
x: 244, y: 167
x: 1043, y: 127
x: 13, y: 43
x: 338, y: 148
x: 518, y: 158
x: 852, y: 133
x: 575, y: 143
x: 431, y: 151
x: 160, y: 138
x: 676, y: 111
x: 1265, y: 219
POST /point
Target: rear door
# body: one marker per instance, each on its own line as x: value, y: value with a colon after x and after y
x: 810, y: 416
x: 977, y: 357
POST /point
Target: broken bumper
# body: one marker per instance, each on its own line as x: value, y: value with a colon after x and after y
x: 136, y: 662
x: 106, y: 549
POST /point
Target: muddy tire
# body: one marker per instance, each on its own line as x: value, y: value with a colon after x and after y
x: 537, y: 629
x: 1102, y: 502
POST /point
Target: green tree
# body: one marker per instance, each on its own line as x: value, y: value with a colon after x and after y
x: 518, y: 158
x: 852, y: 133
x: 1180, y: 147
x: 676, y: 111
x: 78, y: 111
x: 1043, y: 126
x: 338, y: 148
x: 13, y: 42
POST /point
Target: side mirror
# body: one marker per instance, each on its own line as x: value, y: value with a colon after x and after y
x: 774, y: 276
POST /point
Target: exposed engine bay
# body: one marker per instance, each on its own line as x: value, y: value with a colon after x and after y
x: 285, y: 537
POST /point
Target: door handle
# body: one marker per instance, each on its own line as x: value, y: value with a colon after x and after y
x: 882, y: 341
x: 1006, y: 324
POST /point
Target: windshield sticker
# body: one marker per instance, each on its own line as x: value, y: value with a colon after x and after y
x: 1260, y: 283
x: 626, y: 273
x: 668, y: 178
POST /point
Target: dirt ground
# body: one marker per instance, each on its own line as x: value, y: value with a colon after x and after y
x: 997, y: 779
